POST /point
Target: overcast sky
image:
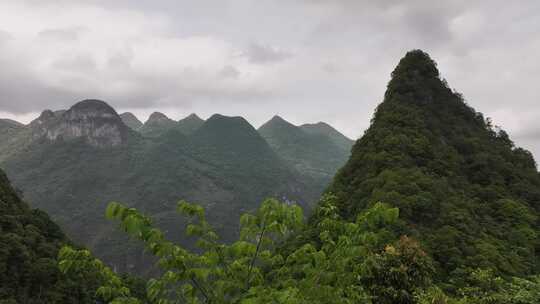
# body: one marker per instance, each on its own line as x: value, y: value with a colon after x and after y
x: 306, y: 60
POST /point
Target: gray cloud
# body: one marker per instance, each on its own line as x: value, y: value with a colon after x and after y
x: 61, y: 34
x: 5, y: 36
x: 311, y: 60
x: 229, y: 72
x: 81, y: 63
x: 262, y: 54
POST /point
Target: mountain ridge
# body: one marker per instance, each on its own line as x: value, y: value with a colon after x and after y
x: 315, y: 153
x: 224, y: 164
x: 131, y: 120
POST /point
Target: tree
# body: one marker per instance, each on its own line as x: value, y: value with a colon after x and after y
x: 257, y: 268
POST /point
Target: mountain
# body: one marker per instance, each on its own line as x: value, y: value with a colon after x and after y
x: 463, y: 188
x: 79, y: 161
x: 93, y: 120
x: 29, y: 245
x: 189, y: 124
x: 131, y: 121
x: 10, y: 132
x: 315, y: 150
x: 322, y: 128
x: 157, y: 124
x: 8, y: 124
x: 16, y: 137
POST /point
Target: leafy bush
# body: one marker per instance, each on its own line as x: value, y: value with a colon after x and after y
x: 352, y: 262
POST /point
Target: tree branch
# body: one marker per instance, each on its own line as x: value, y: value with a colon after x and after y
x: 255, y: 255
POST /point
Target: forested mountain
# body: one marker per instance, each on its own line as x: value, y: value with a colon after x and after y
x: 72, y: 163
x: 462, y: 187
x: 29, y: 244
x: 131, y: 121
x: 10, y: 132
x: 189, y: 124
x: 316, y: 150
x: 157, y: 124
x: 334, y: 135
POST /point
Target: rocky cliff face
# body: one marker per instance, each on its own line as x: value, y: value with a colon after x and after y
x: 93, y: 120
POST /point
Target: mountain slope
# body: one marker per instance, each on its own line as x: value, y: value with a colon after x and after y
x: 12, y: 135
x: 29, y: 244
x: 224, y: 165
x: 311, y: 149
x: 334, y: 135
x: 462, y: 186
x: 131, y: 121
x: 189, y: 124
x: 156, y: 125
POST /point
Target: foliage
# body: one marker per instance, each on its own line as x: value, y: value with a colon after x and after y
x: 82, y: 264
x: 463, y: 189
x: 350, y: 263
x: 315, y: 150
x: 29, y: 244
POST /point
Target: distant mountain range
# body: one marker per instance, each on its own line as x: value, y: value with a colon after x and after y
x: 316, y: 150
x: 72, y: 163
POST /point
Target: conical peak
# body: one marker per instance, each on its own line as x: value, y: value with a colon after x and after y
x: 276, y: 122
x: 416, y: 80
x: 417, y: 63
x: 193, y: 116
x: 131, y: 120
x: 277, y: 118
x: 128, y: 115
x: 157, y: 116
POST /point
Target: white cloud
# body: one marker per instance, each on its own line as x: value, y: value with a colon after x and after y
x: 307, y: 60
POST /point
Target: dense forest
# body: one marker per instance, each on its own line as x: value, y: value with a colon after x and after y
x: 29, y: 244
x: 461, y: 185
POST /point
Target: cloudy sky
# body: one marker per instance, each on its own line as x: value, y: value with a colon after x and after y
x: 306, y: 60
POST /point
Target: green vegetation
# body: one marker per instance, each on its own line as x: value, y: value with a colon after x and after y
x: 156, y: 125
x: 189, y: 124
x: 321, y: 128
x: 14, y: 137
x: 360, y: 261
x: 131, y: 121
x: 29, y: 244
x: 315, y: 150
x: 225, y: 165
x: 464, y: 190
x: 348, y: 263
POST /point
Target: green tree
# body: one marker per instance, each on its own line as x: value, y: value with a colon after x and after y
x: 343, y: 266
